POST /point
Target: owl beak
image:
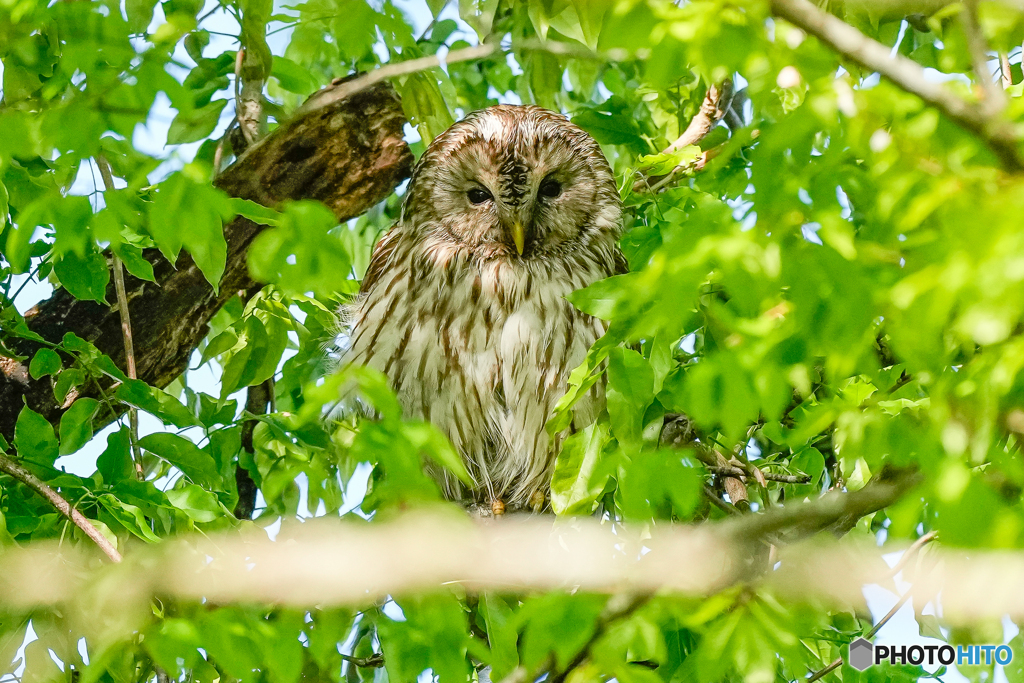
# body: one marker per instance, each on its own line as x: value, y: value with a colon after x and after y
x: 518, y: 236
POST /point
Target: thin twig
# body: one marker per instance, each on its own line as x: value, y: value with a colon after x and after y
x: 126, y: 327
x: 63, y: 506
x: 994, y: 98
x: 912, y: 551
x: 996, y: 133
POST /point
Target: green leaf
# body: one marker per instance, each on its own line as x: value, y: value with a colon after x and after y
x: 293, y: 77
x: 202, y: 234
x: 115, y: 462
x: 199, y: 504
x: 257, y: 213
x: 156, y: 402
x: 226, y: 635
x: 140, y: 13
x: 76, y: 425
x: 85, y: 277
x: 185, y: 455
x: 601, y: 298
x: 34, y: 438
x: 4, y: 207
x: 128, y: 516
x: 248, y: 358
x: 195, y: 125
x: 133, y: 260
x: 630, y: 391
x: 45, y: 362
x: 301, y: 254
x: 558, y: 624
x: 67, y: 380
x: 573, y: 491
x: 195, y: 43
x: 501, y: 634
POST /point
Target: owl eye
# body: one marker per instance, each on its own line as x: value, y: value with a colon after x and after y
x: 478, y: 196
x: 550, y: 188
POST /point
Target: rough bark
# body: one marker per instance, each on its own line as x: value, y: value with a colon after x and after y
x: 349, y: 155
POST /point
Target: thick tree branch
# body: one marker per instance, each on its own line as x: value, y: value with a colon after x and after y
x: 997, y: 133
x: 349, y: 154
x: 63, y: 506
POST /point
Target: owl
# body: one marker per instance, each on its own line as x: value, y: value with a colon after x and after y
x: 463, y: 306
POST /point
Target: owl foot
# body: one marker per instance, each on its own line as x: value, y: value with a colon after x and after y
x: 497, y: 507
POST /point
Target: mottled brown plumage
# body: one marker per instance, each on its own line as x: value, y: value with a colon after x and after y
x: 463, y: 305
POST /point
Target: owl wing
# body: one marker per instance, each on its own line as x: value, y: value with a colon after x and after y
x: 620, y: 265
x: 381, y: 259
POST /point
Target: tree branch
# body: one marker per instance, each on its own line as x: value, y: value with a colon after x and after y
x: 995, y: 132
x: 63, y: 506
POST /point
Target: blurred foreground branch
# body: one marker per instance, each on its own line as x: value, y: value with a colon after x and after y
x: 328, y: 563
x: 982, y: 120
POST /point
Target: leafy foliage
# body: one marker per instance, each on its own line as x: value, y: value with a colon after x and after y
x: 837, y: 291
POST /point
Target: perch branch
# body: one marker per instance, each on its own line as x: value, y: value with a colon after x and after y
x: 63, y: 506
x: 837, y: 511
x: 995, y: 132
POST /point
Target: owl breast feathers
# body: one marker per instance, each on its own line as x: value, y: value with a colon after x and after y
x: 463, y: 306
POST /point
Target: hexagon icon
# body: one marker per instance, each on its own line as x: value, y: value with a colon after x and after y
x: 861, y: 654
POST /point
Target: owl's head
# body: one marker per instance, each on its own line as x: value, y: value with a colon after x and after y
x: 514, y: 182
